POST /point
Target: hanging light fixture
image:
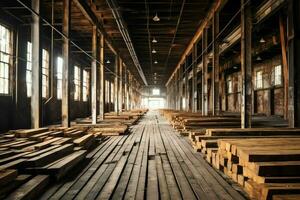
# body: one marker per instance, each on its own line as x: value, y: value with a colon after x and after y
x: 156, y: 18
x: 262, y: 40
x: 258, y: 58
x: 155, y: 62
x: 154, y: 40
x: 108, y: 61
x: 153, y: 51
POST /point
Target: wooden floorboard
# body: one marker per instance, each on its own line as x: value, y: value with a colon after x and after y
x: 152, y: 162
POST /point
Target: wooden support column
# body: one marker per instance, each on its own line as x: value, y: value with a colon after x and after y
x: 116, y: 93
x: 216, y: 68
x: 36, y: 92
x: 194, y: 78
x: 102, y: 78
x: 246, y: 64
x: 121, y: 85
x: 65, y: 102
x: 293, y: 35
x: 204, y: 81
x: 186, y: 90
x: 94, y: 76
x: 177, y: 91
x: 285, y: 65
x: 181, y: 87
x: 127, y: 90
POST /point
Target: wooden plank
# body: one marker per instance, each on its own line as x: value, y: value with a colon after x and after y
x: 17, y: 182
x: 62, y: 167
x: 7, y: 176
x: 50, y: 156
x: 286, y: 197
x: 31, y: 189
x: 28, y: 132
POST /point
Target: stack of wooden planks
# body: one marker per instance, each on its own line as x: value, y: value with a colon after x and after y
x: 185, y: 122
x: 242, y: 153
x: 116, y: 121
x: 30, y: 158
x: 264, y: 167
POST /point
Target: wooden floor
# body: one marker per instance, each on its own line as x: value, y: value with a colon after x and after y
x: 152, y: 162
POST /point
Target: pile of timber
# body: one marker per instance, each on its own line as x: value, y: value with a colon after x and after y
x: 264, y: 167
x: 186, y: 123
x: 31, y: 158
x: 126, y: 118
x: 239, y: 153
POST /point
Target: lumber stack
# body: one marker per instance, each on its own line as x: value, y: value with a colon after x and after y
x: 30, y: 158
x: 124, y: 118
x: 262, y: 160
x: 264, y: 167
x: 186, y: 122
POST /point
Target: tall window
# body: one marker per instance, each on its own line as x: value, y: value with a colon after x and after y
x: 155, y: 91
x: 77, y: 83
x: 277, y: 75
x: 29, y: 69
x: 259, y: 80
x: 59, y: 73
x: 5, y: 52
x: 229, y: 86
x: 45, y: 73
x: 85, y: 85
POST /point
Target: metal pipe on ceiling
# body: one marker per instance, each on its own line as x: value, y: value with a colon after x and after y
x: 124, y: 32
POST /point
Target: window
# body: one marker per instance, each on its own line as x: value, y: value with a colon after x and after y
x: 5, y: 53
x: 106, y: 91
x: 85, y: 85
x: 77, y: 83
x: 59, y: 73
x: 229, y: 86
x: 45, y: 73
x: 29, y: 69
x: 277, y: 75
x: 155, y: 91
x: 259, y: 80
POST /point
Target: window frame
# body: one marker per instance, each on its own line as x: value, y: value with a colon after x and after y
x: 29, y: 69
x: 261, y: 86
x: 77, y: 83
x: 229, y: 86
x: 59, y: 75
x: 277, y: 76
x: 45, y: 66
x: 6, y: 56
x: 85, y: 85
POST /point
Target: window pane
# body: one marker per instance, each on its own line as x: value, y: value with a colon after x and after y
x: 4, y: 60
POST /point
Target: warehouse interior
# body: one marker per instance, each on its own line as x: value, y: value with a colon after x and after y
x: 169, y: 99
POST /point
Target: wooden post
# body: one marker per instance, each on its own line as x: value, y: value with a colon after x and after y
x: 194, y: 79
x: 116, y: 93
x: 246, y: 64
x: 215, y: 73
x: 121, y: 85
x: 204, y: 73
x: 186, y: 90
x: 285, y: 65
x: 36, y: 93
x: 293, y: 35
x: 127, y: 88
x: 102, y: 78
x: 94, y: 76
x: 66, y: 64
x: 129, y: 91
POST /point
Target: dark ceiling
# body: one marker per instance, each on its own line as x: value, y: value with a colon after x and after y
x: 179, y: 20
